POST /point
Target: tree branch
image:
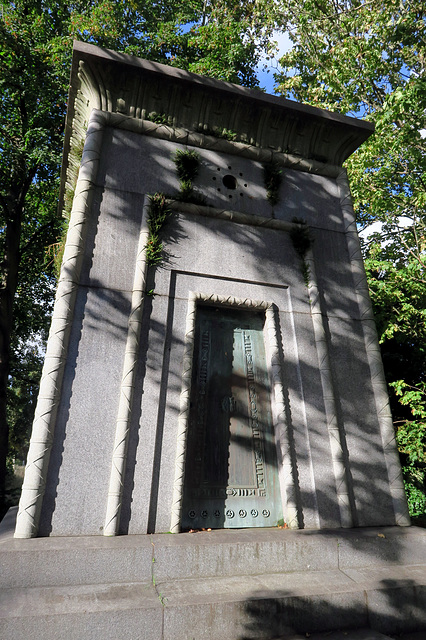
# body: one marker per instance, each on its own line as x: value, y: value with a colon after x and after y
x: 35, y: 235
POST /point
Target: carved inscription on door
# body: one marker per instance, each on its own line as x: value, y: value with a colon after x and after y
x: 231, y: 478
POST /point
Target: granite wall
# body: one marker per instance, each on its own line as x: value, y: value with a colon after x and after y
x: 325, y: 370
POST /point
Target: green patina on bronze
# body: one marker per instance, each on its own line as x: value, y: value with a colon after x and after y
x: 231, y: 472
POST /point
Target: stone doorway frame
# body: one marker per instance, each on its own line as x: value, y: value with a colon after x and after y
x: 286, y: 464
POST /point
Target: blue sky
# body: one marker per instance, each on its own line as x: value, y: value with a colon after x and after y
x: 266, y: 77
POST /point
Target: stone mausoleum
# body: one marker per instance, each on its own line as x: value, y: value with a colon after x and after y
x: 213, y: 360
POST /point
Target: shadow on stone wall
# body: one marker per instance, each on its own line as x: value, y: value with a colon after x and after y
x: 349, y: 368
x: 102, y: 311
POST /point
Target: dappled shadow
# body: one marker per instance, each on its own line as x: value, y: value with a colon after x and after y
x: 391, y: 606
x: 222, y: 257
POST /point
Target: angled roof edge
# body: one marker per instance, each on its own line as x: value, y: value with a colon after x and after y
x: 120, y: 83
x: 85, y: 51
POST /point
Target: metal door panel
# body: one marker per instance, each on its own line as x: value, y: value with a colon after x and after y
x: 231, y: 478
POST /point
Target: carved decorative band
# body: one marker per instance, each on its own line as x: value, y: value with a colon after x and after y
x: 100, y: 107
x: 259, y: 455
x: 228, y: 513
x: 202, y: 404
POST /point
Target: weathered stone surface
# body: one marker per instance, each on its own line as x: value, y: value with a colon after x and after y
x: 139, y: 624
x: 77, y: 483
x: 385, y: 547
x: 115, y: 424
x: 359, y: 634
x: 197, y: 585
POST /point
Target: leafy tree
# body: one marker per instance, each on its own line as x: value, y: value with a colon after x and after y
x: 411, y: 439
x: 222, y: 39
x: 367, y: 58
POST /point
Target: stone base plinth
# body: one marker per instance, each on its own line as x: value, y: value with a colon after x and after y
x: 234, y: 584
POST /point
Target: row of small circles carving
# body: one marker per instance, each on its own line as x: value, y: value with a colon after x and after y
x: 229, y: 513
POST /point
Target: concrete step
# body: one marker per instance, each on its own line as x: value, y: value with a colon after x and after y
x: 358, y: 634
x: 97, y: 560
x: 233, y: 585
x: 233, y: 607
x: 361, y: 634
x: 89, y: 612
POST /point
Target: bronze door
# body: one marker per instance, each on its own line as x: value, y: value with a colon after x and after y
x: 231, y: 478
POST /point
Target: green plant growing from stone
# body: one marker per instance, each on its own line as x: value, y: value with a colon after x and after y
x: 187, y: 165
x: 302, y: 241
x: 160, y: 118
x: 272, y: 177
x: 160, y: 596
x: 159, y: 213
x: 218, y: 132
x: 186, y: 192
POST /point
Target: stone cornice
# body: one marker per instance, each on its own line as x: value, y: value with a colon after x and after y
x: 119, y: 83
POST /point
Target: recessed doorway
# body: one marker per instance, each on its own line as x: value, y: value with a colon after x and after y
x: 231, y: 476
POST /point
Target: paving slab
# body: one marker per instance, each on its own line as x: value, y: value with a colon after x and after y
x: 239, y: 585
x: 134, y: 624
x: 77, y: 560
x: 17, y: 603
x: 357, y: 634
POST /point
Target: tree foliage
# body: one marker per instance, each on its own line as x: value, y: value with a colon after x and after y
x: 360, y: 57
x: 222, y: 39
x: 367, y: 58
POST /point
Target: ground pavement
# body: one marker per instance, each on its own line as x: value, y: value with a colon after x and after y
x: 249, y: 584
